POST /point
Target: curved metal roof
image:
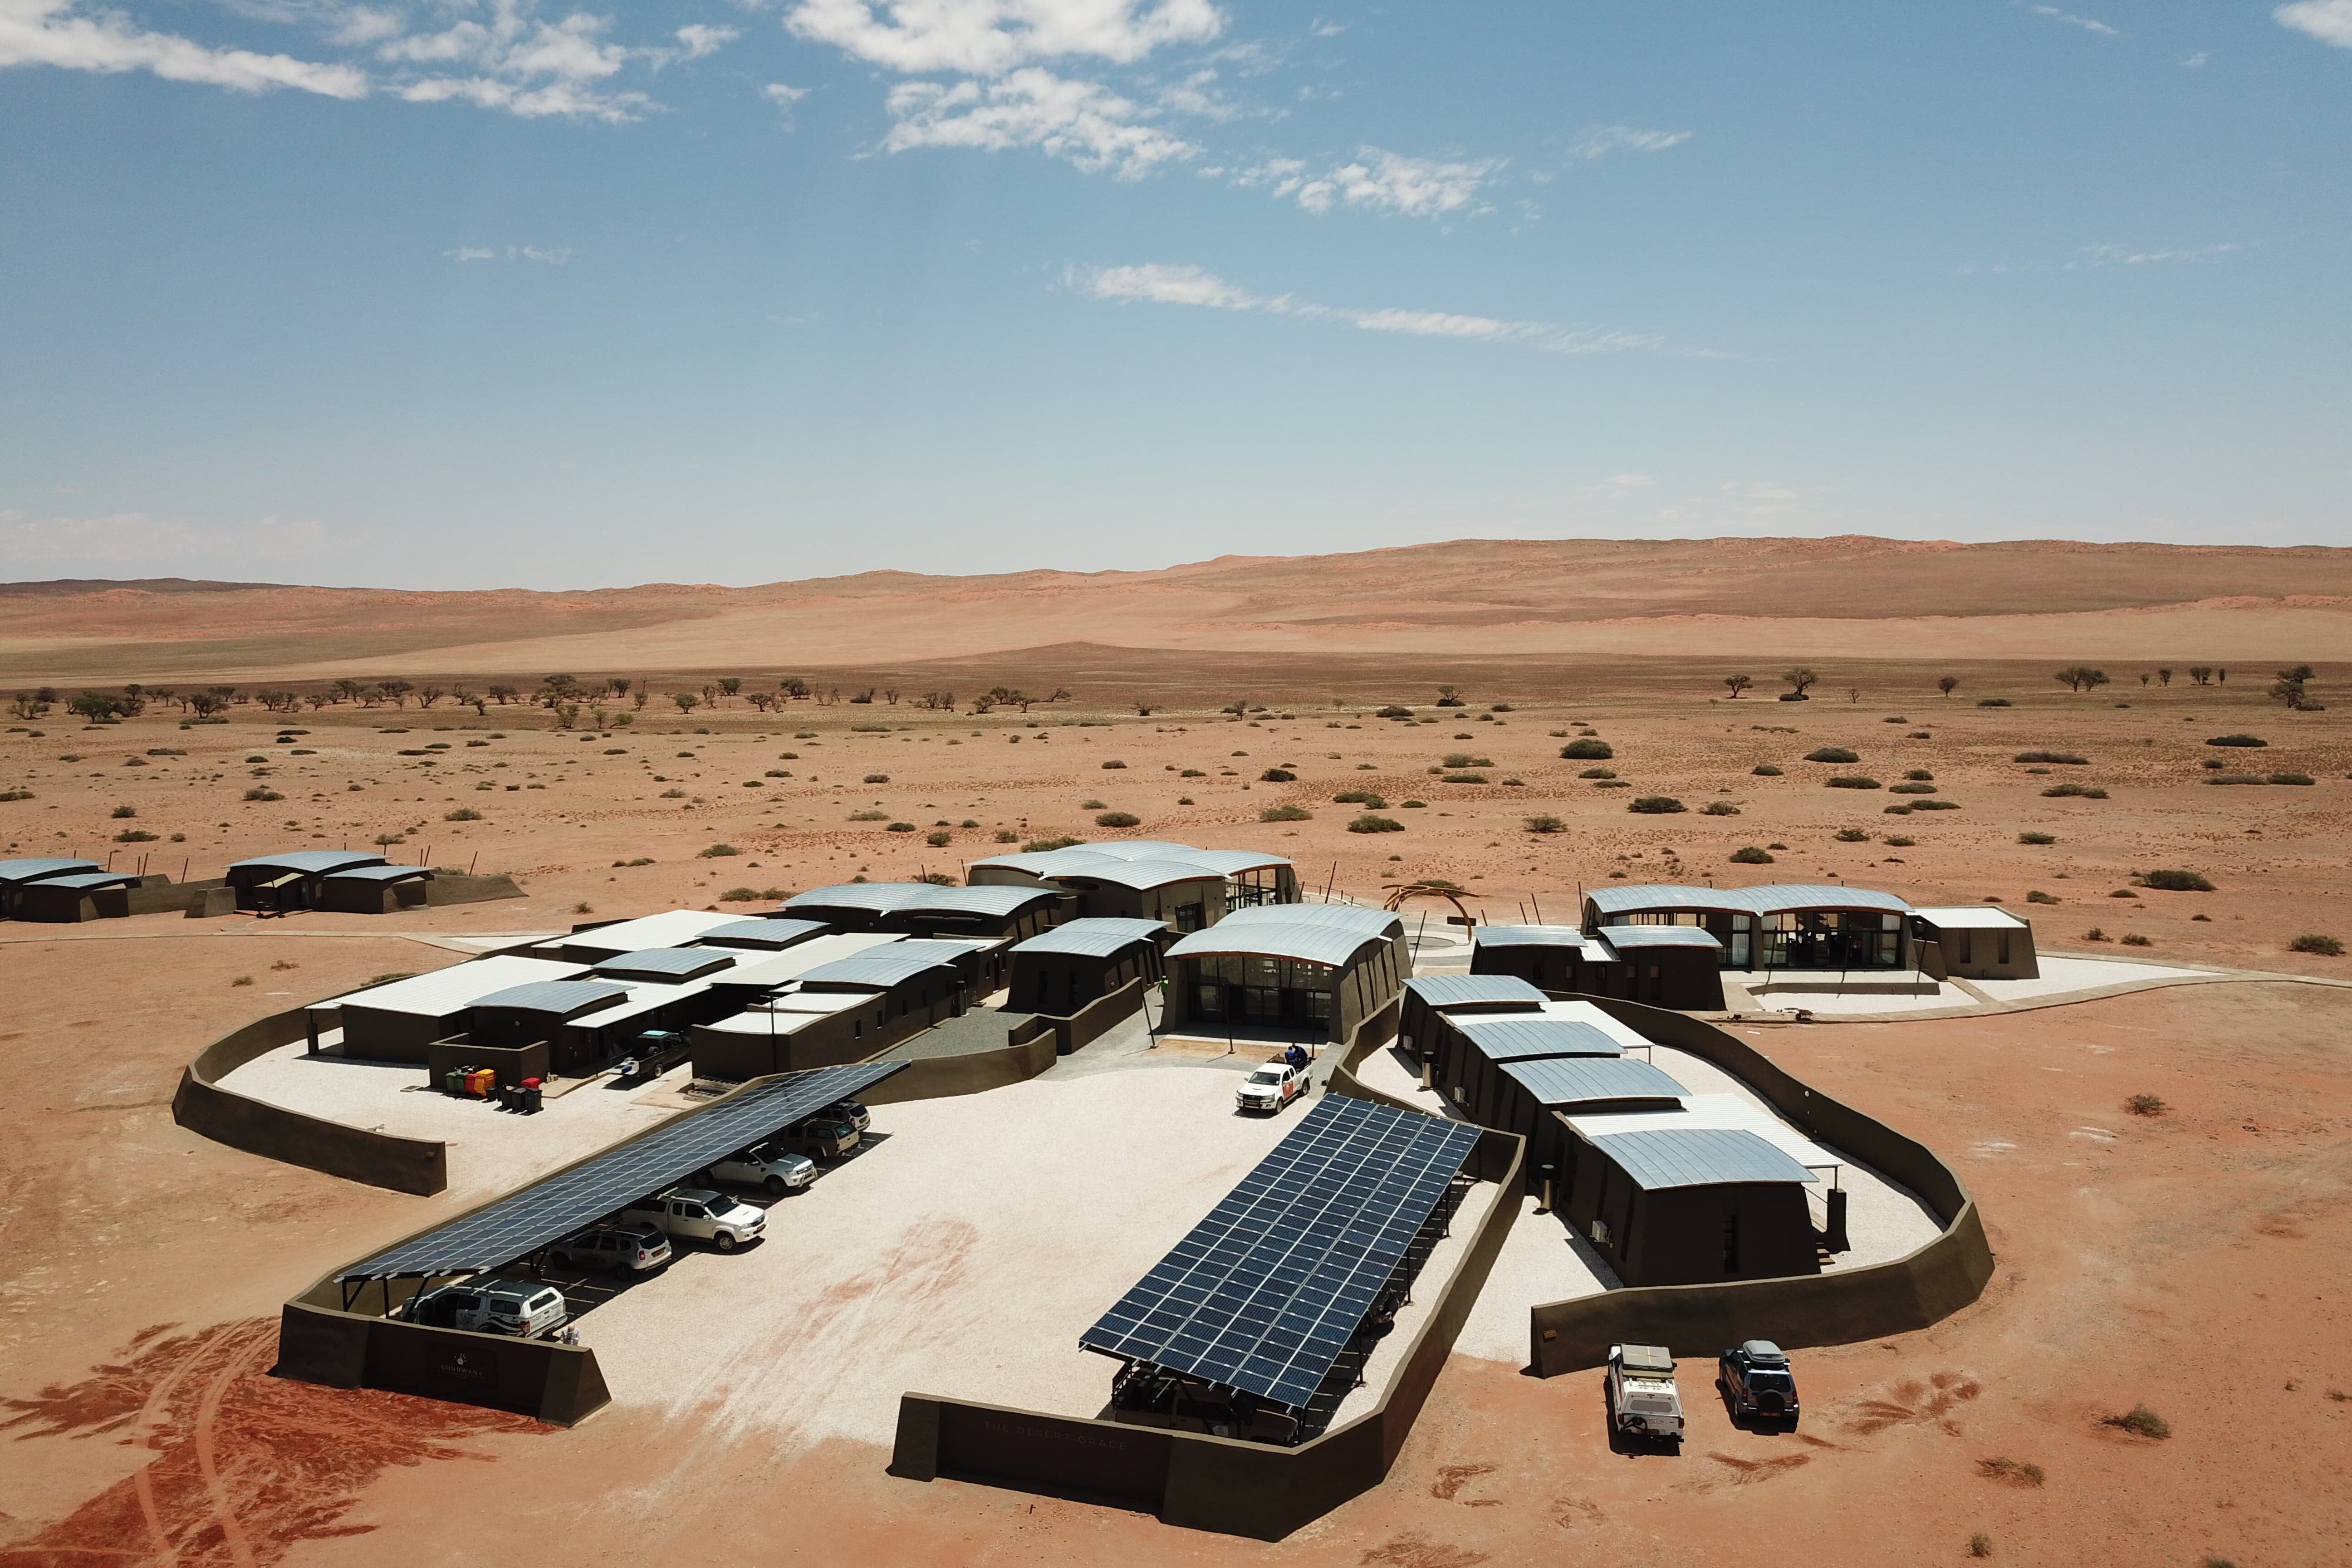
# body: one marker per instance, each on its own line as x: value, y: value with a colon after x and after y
x: 35, y: 867
x: 896, y: 897
x: 1094, y: 938
x: 1527, y: 936
x: 1343, y: 917
x: 308, y: 861
x: 883, y: 967
x: 378, y: 873
x: 1555, y: 1081
x: 86, y: 880
x: 1698, y: 1157
x: 1516, y: 1036
x: 774, y: 933
x: 667, y: 962
x: 1085, y: 859
x: 1142, y: 873
x: 1311, y: 943
x: 1468, y: 990
x: 560, y: 997
x: 1770, y: 898
x: 1627, y: 938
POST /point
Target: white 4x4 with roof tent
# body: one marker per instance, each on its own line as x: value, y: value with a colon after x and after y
x: 726, y: 1223
x: 1643, y: 1399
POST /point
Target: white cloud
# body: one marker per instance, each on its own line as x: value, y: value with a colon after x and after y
x: 545, y: 255
x: 700, y: 40
x: 2123, y: 255
x: 138, y: 540
x: 56, y: 33
x: 1081, y: 122
x: 986, y: 38
x: 2088, y: 23
x: 1379, y: 181
x: 784, y: 97
x: 2329, y: 21
x: 2196, y: 61
x: 1597, y: 142
x: 1166, y: 283
x: 1629, y: 482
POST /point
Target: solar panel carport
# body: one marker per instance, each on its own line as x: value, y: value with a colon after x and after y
x: 547, y: 1211
x: 1250, y: 1324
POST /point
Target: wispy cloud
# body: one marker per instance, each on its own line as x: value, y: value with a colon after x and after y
x: 2196, y: 61
x: 1167, y: 283
x: 700, y: 40
x: 2329, y: 21
x: 1596, y: 142
x: 58, y: 33
x: 2088, y: 23
x: 2124, y: 255
x: 987, y: 37
x: 546, y: 256
x: 139, y: 539
x: 1379, y: 181
x: 1083, y: 123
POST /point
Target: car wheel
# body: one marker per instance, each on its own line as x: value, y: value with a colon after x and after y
x: 724, y: 1241
x: 775, y: 1185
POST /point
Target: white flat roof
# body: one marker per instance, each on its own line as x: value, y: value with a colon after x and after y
x: 1970, y: 917
x: 456, y: 988
x: 671, y: 928
x: 823, y: 1004
x: 798, y: 960
x: 1624, y: 1034
x: 763, y: 1022
x: 1712, y: 1110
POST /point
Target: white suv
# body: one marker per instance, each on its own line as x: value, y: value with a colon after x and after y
x: 726, y: 1223
x: 775, y: 1170
x: 518, y: 1307
x: 1270, y: 1087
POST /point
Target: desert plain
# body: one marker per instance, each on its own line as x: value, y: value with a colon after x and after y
x: 2191, y: 1261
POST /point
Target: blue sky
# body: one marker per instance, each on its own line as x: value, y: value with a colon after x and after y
x: 453, y: 293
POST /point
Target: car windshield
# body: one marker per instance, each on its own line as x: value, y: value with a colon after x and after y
x: 1266, y: 1074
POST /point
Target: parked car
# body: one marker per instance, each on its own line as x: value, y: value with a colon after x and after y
x: 620, y: 1249
x: 1642, y: 1400
x: 521, y: 1308
x: 851, y: 1111
x: 1270, y: 1087
x: 726, y: 1223
x: 1756, y: 1381
x: 776, y: 1170
x: 819, y: 1137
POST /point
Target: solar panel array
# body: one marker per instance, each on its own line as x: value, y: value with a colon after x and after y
x: 523, y: 1222
x: 1264, y: 1294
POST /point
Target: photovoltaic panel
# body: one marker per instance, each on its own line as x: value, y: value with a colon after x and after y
x: 524, y: 1221
x: 1264, y: 1294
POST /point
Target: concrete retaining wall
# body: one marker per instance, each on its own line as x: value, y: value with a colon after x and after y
x: 319, y: 1342
x: 1028, y: 1051
x: 1098, y: 1017
x: 354, y: 1154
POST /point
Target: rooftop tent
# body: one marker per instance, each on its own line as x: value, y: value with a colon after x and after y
x: 665, y: 964
x: 771, y: 935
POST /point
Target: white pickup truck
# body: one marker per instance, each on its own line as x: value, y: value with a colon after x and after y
x: 1642, y: 1400
x: 726, y: 1223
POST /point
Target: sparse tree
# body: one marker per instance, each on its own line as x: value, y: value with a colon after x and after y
x: 638, y: 697
x: 2288, y: 687
x: 2163, y: 677
x: 473, y: 699
x: 728, y: 685
x: 2144, y: 678
x: 397, y: 689
x: 794, y: 687
x: 96, y: 707
x: 2202, y: 674
x: 2080, y: 677
x: 1799, y: 680
x: 620, y: 684
x: 1947, y: 684
x: 686, y: 701
x: 502, y: 695
x: 2220, y: 675
x: 554, y: 688
x: 763, y: 701
x: 983, y: 703
x: 206, y: 704
x: 890, y: 695
x: 1854, y: 694
x: 567, y: 714
x: 426, y: 696
x: 1449, y: 696
x: 1142, y: 708
x: 25, y: 705
x: 1738, y: 683
x: 133, y: 701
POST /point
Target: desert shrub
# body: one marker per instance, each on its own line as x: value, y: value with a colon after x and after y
x: 1545, y: 824
x: 2142, y: 1422
x: 1412, y: 806
x: 2010, y: 1471
x: 1117, y: 820
x: 1911, y: 787
x: 1655, y: 805
x: 259, y: 792
x: 2236, y: 779
x: 2146, y: 1105
x: 1612, y: 784
x: 1191, y: 774
x: 1114, y: 762
x: 1368, y: 823
x: 1718, y: 808
x: 1853, y: 781
x: 939, y: 838
x: 2123, y: 893
x: 1992, y: 701
x: 1898, y: 809
x: 2096, y: 934
x: 2291, y: 779
x: 1277, y: 775
x: 1464, y: 759
x: 717, y: 852
x: 1286, y: 814
x: 2037, y: 838
x: 869, y: 816
x: 463, y: 814
x: 1588, y: 750
x: 2067, y: 757
x: 1394, y: 711
x: 1851, y: 836
x: 2237, y: 741
x: 739, y: 896
x: 898, y: 828
x: 1749, y: 855
x: 1093, y: 805
x: 2176, y: 881
x: 136, y: 835
x: 877, y: 778
x: 2074, y: 791
x: 1899, y: 841
x: 1831, y: 754
x: 1464, y: 778
x: 1359, y: 797
x: 1919, y: 775
x: 1980, y: 1545
x: 1765, y: 771
x: 1938, y: 804
x: 2038, y: 896
x: 123, y: 811
x: 1598, y: 774
x: 15, y: 794
x: 1006, y: 836
x: 2136, y: 940
x: 1039, y: 845
x: 666, y: 794
x: 2311, y: 942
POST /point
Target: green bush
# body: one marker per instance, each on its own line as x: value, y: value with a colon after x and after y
x: 136, y: 835
x: 1831, y: 754
x: 1765, y: 771
x: 717, y: 852
x: 1117, y: 820
x: 1545, y: 824
x: 877, y: 778
x: 2142, y: 1422
x: 1464, y: 759
x: 1598, y: 774
x: 1359, y: 797
x: 1655, y: 805
x: 1040, y: 845
x: 1412, y: 806
x: 2325, y: 946
x: 1394, y: 711
x: 259, y: 792
x: 1286, y: 814
x: 1853, y: 781
x: 2038, y: 896
x: 1919, y: 775
x: 1368, y: 823
x: 1851, y: 836
x: 2237, y: 741
x: 939, y: 838
x: 1718, y: 808
x: 899, y: 828
x: 1911, y: 787
x: 1006, y: 836
x: 2076, y: 791
x: 2176, y: 881
x: 2236, y: 779
x: 1588, y: 751
x: 2292, y: 779
x: 2067, y: 757
x: 739, y: 896
x: 1749, y: 855
x: 1464, y: 778
x: 463, y: 814
x: 2037, y: 838
x: 1277, y: 775
x: 1938, y: 804
x: 869, y: 816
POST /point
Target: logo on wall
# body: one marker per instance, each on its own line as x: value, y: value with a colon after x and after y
x: 469, y: 1366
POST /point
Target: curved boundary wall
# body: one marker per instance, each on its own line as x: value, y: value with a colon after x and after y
x: 1897, y: 1297
x: 1222, y: 1484
x: 380, y: 1160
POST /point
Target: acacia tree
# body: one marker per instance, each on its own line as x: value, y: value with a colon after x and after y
x: 1738, y: 683
x: 687, y: 701
x: 2163, y: 676
x: 2288, y: 687
x: 2080, y: 677
x: 1798, y: 679
x: 397, y: 689
x: 1947, y: 684
x: 2202, y: 674
x: 426, y: 696
x: 728, y: 685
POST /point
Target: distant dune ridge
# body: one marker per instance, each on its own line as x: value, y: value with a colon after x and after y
x: 1853, y: 596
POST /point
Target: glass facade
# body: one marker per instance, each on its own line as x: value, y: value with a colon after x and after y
x: 1795, y: 939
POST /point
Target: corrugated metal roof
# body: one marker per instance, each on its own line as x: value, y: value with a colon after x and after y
x: 35, y: 868
x: 378, y: 873
x: 309, y: 862
x: 562, y: 997
x: 886, y: 966
x: 1632, y: 1039
x: 667, y: 962
x: 1698, y: 1157
x: 453, y: 990
x: 1588, y: 1080
x: 895, y: 898
x: 1095, y: 938
x: 1326, y: 943
x: 86, y: 880
x: 1516, y: 1036
x: 1771, y: 897
x: 1143, y: 873
x: 670, y: 928
x: 773, y: 935
x: 1088, y: 859
x: 1462, y: 990
x: 1718, y: 1111
x: 1344, y: 917
x: 1625, y: 938
x: 1527, y: 936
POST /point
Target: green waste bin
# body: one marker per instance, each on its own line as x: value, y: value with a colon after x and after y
x: 453, y: 1081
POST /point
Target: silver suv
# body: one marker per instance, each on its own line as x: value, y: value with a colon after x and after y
x: 521, y: 1309
x: 621, y: 1249
x: 775, y: 1170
